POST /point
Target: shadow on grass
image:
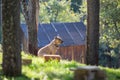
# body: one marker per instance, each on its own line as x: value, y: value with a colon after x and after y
x: 59, y: 76
x: 113, y: 75
x: 21, y: 77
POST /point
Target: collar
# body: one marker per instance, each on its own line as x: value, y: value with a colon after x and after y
x: 56, y: 45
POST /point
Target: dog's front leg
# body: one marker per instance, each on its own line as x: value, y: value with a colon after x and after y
x: 53, y: 52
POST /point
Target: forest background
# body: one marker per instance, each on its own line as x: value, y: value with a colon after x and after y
x: 75, y: 11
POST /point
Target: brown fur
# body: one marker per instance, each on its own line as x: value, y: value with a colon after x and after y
x: 51, y: 48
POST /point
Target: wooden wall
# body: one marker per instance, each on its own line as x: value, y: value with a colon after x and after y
x: 76, y: 53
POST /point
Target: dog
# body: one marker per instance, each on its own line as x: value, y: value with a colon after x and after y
x: 50, y: 48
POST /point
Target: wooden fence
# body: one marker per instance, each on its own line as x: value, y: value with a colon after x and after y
x: 76, y: 53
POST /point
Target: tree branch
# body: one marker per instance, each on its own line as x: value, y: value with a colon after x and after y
x: 24, y: 8
x: 116, y: 28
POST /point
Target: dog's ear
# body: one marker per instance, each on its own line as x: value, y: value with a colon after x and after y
x: 59, y: 38
x: 62, y: 41
x: 55, y: 37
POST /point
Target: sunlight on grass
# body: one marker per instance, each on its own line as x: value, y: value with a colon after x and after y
x: 52, y: 70
x: 112, y: 74
x: 0, y: 57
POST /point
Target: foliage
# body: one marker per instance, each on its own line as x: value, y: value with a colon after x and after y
x: 57, y: 11
x: 53, y: 70
x: 110, y: 31
x: 75, y: 5
x: 83, y: 11
x: 109, y: 44
x: 110, y: 21
x: 0, y: 57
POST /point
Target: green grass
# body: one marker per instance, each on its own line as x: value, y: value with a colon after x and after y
x: 112, y: 74
x: 53, y: 70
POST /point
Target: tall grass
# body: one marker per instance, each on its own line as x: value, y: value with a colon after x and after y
x: 112, y: 74
x: 52, y: 70
x: 40, y: 70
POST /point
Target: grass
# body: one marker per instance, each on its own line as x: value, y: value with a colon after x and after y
x: 53, y: 70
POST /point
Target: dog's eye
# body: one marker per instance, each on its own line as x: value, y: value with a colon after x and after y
x: 61, y: 41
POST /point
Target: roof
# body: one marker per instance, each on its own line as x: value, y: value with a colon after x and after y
x: 72, y: 33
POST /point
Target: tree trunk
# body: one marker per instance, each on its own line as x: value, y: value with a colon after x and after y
x: 31, y: 12
x: 33, y: 26
x: 11, y: 39
x: 0, y: 18
x: 0, y: 12
x: 92, y: 32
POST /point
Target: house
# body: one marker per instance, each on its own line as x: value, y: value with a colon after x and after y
x: 73, y: 35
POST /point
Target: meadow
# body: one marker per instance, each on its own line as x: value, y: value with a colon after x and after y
x: 52, y: 70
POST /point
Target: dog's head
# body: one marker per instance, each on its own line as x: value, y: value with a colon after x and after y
x: 58, y: 40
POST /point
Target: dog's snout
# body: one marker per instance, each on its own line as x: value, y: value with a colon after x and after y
x: 62, y: 41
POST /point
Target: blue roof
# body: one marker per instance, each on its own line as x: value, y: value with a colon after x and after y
x: 72, y: 33
x: 24, y: 29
